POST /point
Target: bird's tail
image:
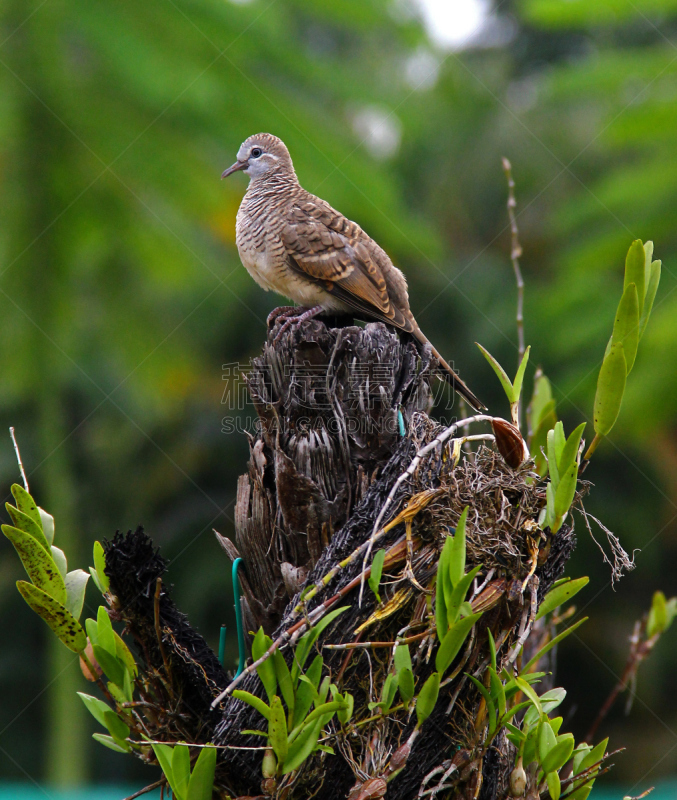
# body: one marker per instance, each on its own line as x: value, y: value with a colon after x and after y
x: 452, y: 378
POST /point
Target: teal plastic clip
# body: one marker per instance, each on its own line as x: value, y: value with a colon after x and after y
x: 238, y: 617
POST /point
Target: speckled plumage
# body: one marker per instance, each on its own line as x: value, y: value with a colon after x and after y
x: 297, y: 245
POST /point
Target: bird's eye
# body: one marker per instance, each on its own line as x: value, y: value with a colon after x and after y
x: 256, y: 152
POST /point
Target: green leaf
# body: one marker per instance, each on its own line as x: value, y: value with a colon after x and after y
x: 551, y: 452
x: 302, y: 747
x: 100, y: 567
x: 104, y: 627
x: 277, y: 730
x: 497, y: 692
x: 266, y: 670
x: 566, y: 491
x: 95, y: 577
x: 595, y: 755
x: 118, y: 729
x: 455, y: 602
x: 124, y: 654
x: 457, y: 550
x: 405, y: 683
x: 28, y: 525
x: 253, y: 701
x: 374, y: 579
x: 570, y: 450
x: 519, y: 377
x: 658, y: 615
x: 546, y: 740
x: 110, y: 743
x: 401, y: 658
x: 652, y: 288
x: 552, y: 643
x: 345, y: 714
x: 47, y: 524
x: 38, y: 563
x: 561, y: 594
x: 492, y: 649
x: 554, y: 785
x: 388, y: 692
x: 635, y: 264
x: 163, y: 753
x: 610, y: 389
x: 26, y: 505
x: 76, y: 583
x: 284, y: 681
x: 626, y: 326
x: 558, y: 756
x: 307, y: 690
x: 309, y: 638
x: 441, y: 621
x: 110, y: 664
x: 60, y: 560
x: 202, y: 780
x: 59, y: 619
x: 541, y: 404
x: 529, y: 692
x: 506, y: 383
x: 539, y: 437
x: 427, y: 697
x: 453, y: 642
x: 97, y: 708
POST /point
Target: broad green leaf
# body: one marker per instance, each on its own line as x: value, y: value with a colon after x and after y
x: 100, y: 566
x: 163, y: 753
x: 457, y: 551
x: 652, y: 288
x: 59, y: 619
x: 427, y: 697
x: 309, y: 638
x: 92, y: 630
x: 635, y: 263
x: 306, y: 691
x: 60, y: 560
x: 552, y: 643
x: 554, y: 785
x: 266, y: 670
x: 28, y: 525
x: 124, y: 654
x: 580, y: 753
x: 405, y: 683
x: 401, y: 658
x: 113, y: 668
x: 549, y: 701
x: 558, y: 756
x: 519, y: 377
x: 277, y: 729
x: 110, y: 743
x: 253, y: 701
x: 374, y: 579
x: 76, y: 583
x: 26, y: 504
x: 38, y: 563
x: 47, y: 523
x: 284, y: 681
x: 96, y: 580
x: 506, y: 383
x: 118, y: 729
x: 541, y: 401
x: 104, y: 627
x: 202, y: 780
x: 453, y: 642
x: 570, y: 450
x: 626, y: 325
x: 97, y: 708
x: 658, y: 615
x: 566, y: 491
x: 546, y: 739
x: 610, y: 389
x: 561, y: 594
x: 302, y: 747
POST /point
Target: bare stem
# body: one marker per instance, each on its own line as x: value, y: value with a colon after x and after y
x: 18, y: 458
x: 515, y: 253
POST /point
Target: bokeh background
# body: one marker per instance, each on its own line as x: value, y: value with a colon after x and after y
x: 123, y: 304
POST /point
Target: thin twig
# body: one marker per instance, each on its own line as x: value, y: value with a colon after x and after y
x: 371, y: 645
x: 515, y: 253
x: 18, y: 458
x: 147, y: 789
x: 158, y: 630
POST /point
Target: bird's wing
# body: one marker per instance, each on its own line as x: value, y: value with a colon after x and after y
x: 334, y: 252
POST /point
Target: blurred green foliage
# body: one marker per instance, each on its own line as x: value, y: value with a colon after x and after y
x: 121, y: 293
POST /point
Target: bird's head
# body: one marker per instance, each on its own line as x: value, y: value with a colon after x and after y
x: 261, y: 156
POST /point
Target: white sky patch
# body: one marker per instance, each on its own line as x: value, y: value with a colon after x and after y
x: 454, y: 24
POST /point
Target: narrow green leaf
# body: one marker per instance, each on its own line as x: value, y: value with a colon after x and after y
x: 554, y: 785
x: 100, y: 566
x: 95, y: 578
x: 405, y: 683
x: 60, y: 560
x: 519, y: 377
x: 374, y: 579
x: 541, y: 402
x: 47, y: 523
x: 492, y: 649
x: 388, y: 692
x: 552, y: 643
x: 307, y: 690
x: 284, y: 681
x: 455, y: 602
x: 310, y: 637
x: 652, y: 288
x: 253, y: 701
x: 529, y: 692
x: 546, y: 739
x: 26, y: 504
x: 105, y: 630
x: 551, y: 452
x: 497, y: 692
x: 658, y: 615
x: 566, y: 491
x: 648, y: 255
x: 28, y: 525
x: 59, y: 619
x: 302, y: 747
x: 97, y: 708
x: 558, y: 756
x: 626, y: 325
x: 453, y: 642
x: 539, y: 437
x: 163, y: 753
x: 110, y: 664
x: 266, y: 671
x: 595, y: 755
x: 277, y: 729
x: 124, y: 654
x: 427, y: 697
x: 561, y: 594
x: 506, y: 383
x: 110, y: 743
x: 345, y: 714
x: 635, y: 262
x: 118, y: 729
x: 401, y: 658
x: 38, y: 563
x: 559, y: 440
x: 570, y: 450
x: 76, y: 583
x: 440, y: 604
x: 202, y: 780
x: 457, y: 551
x: 610, y: 389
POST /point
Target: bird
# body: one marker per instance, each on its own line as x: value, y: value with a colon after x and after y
x: 295, y: 244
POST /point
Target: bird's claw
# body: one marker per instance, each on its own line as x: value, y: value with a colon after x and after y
x: 292, y: 316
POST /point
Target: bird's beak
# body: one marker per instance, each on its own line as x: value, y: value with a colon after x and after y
x: 238, y: 165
